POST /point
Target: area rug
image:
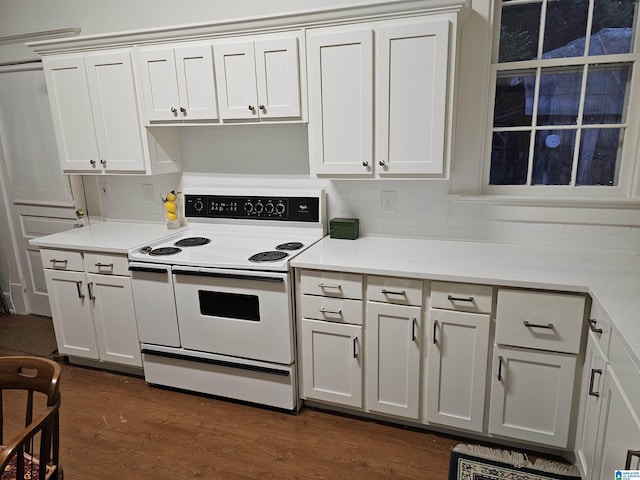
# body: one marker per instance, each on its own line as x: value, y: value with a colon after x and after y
x: 476, y: 462
x: 31, y: 334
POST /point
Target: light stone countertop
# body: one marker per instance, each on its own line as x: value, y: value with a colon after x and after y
x: 110, y: 237
x: 611, y: 277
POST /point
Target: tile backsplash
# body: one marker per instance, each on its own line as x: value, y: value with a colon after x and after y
x: 276, y: 157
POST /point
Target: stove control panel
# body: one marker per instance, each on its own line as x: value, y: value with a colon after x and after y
x: 290, y: 209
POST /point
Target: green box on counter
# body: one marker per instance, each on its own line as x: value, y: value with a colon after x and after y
x: 345, y: 228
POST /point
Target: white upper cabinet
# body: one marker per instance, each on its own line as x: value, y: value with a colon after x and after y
x: 398, y: 93
x: 96, y: 116
x: 258, y: 79
x: 340, y: 72
x: 178, y: 83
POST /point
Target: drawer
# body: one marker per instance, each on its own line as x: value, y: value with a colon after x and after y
x: 106, y: 263
x: 599, y: 327
x: 331, y: 284
x: 62, y: 260
x: 332, y: 309
x: 540, y: 320
x: 465, y: 297
x: 394, y: 290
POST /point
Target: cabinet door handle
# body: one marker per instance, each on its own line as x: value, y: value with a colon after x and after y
x: 451, y: 298
x: 355, y: 347
x: 592, y: 326
x: 78, y: 285
x: 103, y: 162
x: 630, y: 455
x: 183, y: 110
x: 548, y: 326
x: 435, y: 328
x: 55, y: 261
x: 381, y: 163
x: 500, y: 360
x: 334, y: 312
x: 107, y: 265
x: 365, y: 163
x: 414, y: 323
x: 252, y: 108
x: 328, y: 285
x: 393, y: 292
x: 93, y: 163
x: 262, y: 107
x: 174, y: 110
x: 592, y: 380
x: 90, y: 289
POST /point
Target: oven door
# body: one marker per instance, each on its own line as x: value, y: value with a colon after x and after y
x: 239, y: 313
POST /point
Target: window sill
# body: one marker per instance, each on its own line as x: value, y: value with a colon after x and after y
x: 601, y: 211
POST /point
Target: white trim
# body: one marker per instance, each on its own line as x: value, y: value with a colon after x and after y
x: 39, y: 36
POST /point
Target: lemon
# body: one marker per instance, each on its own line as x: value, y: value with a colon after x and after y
x: 171, y: 216
x: 171, y: 196
x: 170, y: 207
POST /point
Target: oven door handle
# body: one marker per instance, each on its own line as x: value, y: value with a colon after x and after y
x: 134, y: 268
x: 235, y: 276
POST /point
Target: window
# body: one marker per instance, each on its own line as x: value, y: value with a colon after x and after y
x: 564, y: 76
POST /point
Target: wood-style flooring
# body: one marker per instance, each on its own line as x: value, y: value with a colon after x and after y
x: 115, y: 426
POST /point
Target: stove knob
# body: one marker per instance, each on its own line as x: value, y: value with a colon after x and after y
x: 259, y: 208
x: 198, y: 206
x: 280, y: 208
x: 269, y: 208
x: 248, y: 207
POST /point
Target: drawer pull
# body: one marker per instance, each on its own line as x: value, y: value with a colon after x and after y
x: 78, y: 285
x: 393, y: 292
x: 548, y: 326
x: 55, y: 261
x: 328, y: 285
x: 592, y: 380
x: 630, y: 455
x: 334, y: 312
x: 435, y: 327
x: 90, y: 288
x: 500, y: 360
x: 355, y: 347
x: 451, y: 298
x: 414, y: 322
x: 105, y: 265
x: 592, y: 326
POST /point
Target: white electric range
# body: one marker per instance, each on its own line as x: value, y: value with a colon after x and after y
x: 214, y: 303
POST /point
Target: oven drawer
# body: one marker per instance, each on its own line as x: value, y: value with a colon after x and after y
x: 106, y: 264
x: 331, y: 284
x: 394, y: 290
x: 465, y: 297
x: 62, y: 260
x: 332, y: 309
x: 540, y: 320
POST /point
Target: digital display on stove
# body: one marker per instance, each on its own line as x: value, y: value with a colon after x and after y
x: 291, y: 209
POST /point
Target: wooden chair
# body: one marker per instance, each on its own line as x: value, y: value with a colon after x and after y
x: 30, y: 382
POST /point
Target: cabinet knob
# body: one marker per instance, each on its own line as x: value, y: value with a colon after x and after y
x: 263, y: 108
x: 252, y: 108
x: 183, y: 110
x: 365, y: 164
x: 103, y: 162
x: 174, y: 110
x: 92, y: 162
x: 382, y: 163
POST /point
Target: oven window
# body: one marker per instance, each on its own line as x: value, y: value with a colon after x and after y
x: 229, y: 305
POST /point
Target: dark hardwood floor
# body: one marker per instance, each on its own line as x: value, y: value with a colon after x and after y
x: 115, y: 426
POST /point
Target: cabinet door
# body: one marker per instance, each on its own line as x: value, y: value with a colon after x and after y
x: 159, y: 84
x: 340, y: 70
x: 619, y: 431
x: 196, y: 84
x: 412, y: 65
x: 531, y: 395
x: 591, y: 395
x: 115, y: 106
x: 458, y: 357
x: 236, y: 81
x: 72, y: 115
x: 115, y: 319
x: 71, y: 313
x: 393, y: 359
x: 277, y: 77
x: 332, y: 362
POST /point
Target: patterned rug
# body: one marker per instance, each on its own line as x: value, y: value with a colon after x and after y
x: 475, y: 462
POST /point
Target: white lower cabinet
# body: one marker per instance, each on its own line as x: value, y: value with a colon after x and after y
x: 93, y: 313
x: 393, y: 359
x: 531, y: 395
x: 332, y: 362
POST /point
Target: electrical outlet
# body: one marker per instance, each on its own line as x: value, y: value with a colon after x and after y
x: 388, y: 201
x: 104, y: 191
x: 147, y: 192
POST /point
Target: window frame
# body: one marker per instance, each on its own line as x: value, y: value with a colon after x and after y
x: 628, y: 177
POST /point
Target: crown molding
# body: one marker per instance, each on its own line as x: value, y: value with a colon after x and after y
x: 38, y: 36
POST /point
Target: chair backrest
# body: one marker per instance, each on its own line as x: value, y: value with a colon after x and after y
x: 29, y: 375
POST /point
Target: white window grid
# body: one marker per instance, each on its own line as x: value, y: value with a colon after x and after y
x: 630, y: 157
